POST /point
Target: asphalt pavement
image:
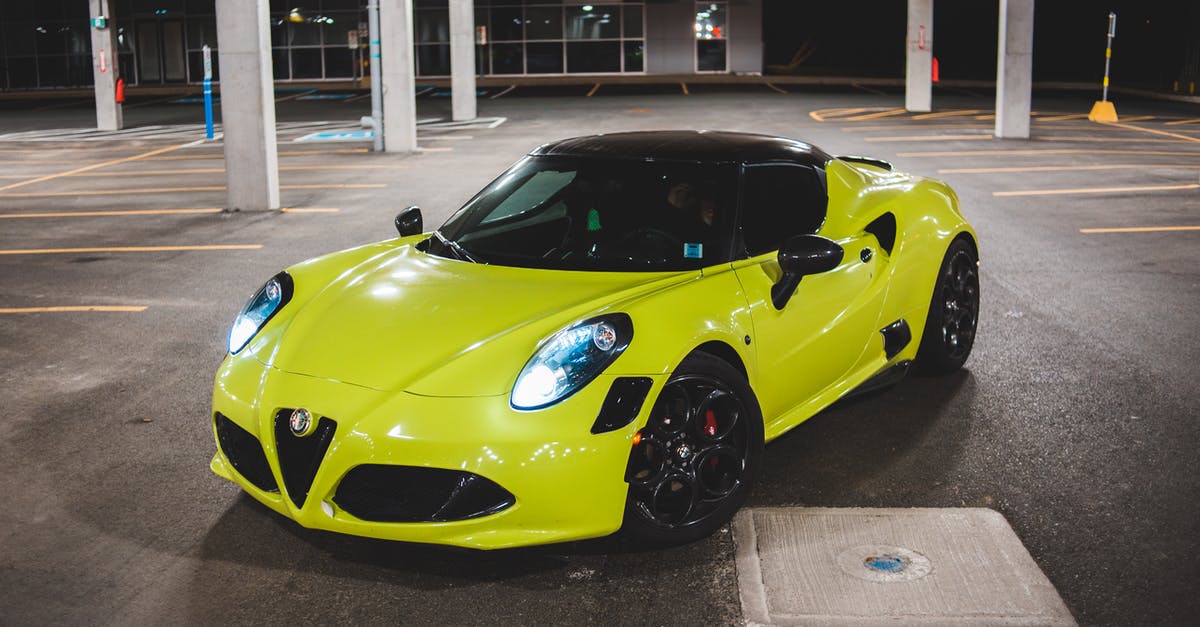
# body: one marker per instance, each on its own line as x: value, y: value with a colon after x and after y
x: 1075, y: 418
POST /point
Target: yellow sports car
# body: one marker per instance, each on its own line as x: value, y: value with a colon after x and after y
x: 601, y: 339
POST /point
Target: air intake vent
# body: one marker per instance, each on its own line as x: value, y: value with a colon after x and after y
x: 245, y: 453
x: 380, y: 493
x: 300, y: 456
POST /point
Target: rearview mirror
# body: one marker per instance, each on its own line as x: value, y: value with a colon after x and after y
x: 409, y: 222
x: 800, y: 256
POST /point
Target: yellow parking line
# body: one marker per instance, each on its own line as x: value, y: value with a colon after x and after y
x: 1065, y: 168
x: 1177, y: 122
x: 308, y: 210
x: 778, y: 89
x: 595, y: 88
x: 946, y: 114
x: 1060, y: 118
x: 128, y: 249
x: 1154, y: 131
x: 875, y: 116
x: 821, y: 115
x: 90, y: 214
x: 928, y: 138
x: 93, y: 167
x: 683, y: 86
x: 1063, y: 138
x: 1137, y: 118
x: 180, y: 190
x: 990, y: 116
x: 1097, y: 190
x: 71, y: 309
x: 1143, y: 229
x: 1044, y: 151
x: 282, y: 168
x: 874, y: 128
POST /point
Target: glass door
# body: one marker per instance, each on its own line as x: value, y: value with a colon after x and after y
x: 712, y: 49
x: 161, y: 57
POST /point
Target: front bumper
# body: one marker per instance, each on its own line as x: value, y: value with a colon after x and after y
x: 566, y: 482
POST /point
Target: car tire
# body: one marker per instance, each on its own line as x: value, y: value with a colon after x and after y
x: 694, y: 462
x: 953, y: 312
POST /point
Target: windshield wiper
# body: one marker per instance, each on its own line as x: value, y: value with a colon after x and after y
x: 461, y: 252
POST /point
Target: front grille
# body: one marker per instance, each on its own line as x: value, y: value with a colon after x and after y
x: 380, y: 493
x: 300, y: 457
x: 245, y: 453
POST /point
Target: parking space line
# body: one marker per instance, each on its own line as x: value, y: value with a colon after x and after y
x: 683, y: 86
x: 309, y: 210
x: 821, y: 115
x: 1137, y: 118
x: 91, y: 214
x: 1177, y: 122
x: 595, y: 88
x: 181, y: 190
x: 1154, y: 131
x: 1139, y: 140
x: 128, y: 249
x: 1097, y: 190
x: 102, y: 164
x: 1066, y: 168
x: 1044, y: 151
x: 869, y: 90
x: 946, y: 114
x: 1142, y: 229
x: 74, y: 309
x: 875, y: 116
x: 1060, y: 118
x: 776, y: 88
x: 929, y: 138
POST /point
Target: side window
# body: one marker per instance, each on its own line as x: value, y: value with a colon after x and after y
x: 780, y: 201
x: 537, y: 189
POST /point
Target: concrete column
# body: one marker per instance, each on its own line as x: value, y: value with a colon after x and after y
x: 109, y: 114
x: 399, y: 89
x: 1014, y: 69
x: 918, y: 66
x: 462, y: 59
x: 247, y: 105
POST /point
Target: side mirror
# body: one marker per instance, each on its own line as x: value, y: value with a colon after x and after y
x: 409, y: 222
x: 800, y: 256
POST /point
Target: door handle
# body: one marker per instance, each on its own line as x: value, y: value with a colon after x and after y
x: 865, y: 254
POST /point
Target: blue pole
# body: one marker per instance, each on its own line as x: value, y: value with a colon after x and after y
x: 208, y: 116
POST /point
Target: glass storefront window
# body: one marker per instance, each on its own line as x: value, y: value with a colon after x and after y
x: 433, y: 26
x: 433, y: 59
x: 543, y: 23
x: 544, y: 58
x: 507, y: 25
x: 593, y: 56
x: 635, y: 52
x: 508, y: 59
x: 631, y: 20
x: 711, y: 47
x: 594, y: 22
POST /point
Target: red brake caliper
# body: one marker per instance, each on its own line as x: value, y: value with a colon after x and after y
x: 710, y: 423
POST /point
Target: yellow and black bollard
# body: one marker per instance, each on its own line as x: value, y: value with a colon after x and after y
x: 1103, y: 110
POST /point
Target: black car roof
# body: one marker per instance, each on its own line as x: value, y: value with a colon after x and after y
x: 690, y: 146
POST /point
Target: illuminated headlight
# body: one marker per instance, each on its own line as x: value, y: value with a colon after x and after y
x: 570, y: 359
x: 269, y: 299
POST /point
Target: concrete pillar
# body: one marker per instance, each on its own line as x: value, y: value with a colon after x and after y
x: 918, y: 66
x: 109, y: 113
x: 1014, y: 69
x: 399, y: 88
x: 247, y: 105
x: 462, y: 59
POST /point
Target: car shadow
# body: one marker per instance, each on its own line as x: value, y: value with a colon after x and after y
x: 887, y: 447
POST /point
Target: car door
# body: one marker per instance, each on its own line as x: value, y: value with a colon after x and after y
x: 821, y: 332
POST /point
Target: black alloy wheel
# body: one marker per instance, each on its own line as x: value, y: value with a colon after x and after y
x: 694, y: 462
x: 953, y: 312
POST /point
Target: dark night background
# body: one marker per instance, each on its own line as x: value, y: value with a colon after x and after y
x: 1157, y: 43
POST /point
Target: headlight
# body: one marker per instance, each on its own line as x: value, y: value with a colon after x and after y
x: 269, y: 299
x: 570, y: 359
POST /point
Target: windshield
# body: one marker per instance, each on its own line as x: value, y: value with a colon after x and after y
x: 589, y: 214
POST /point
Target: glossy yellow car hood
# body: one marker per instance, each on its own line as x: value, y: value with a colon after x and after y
x: 406, y: 320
